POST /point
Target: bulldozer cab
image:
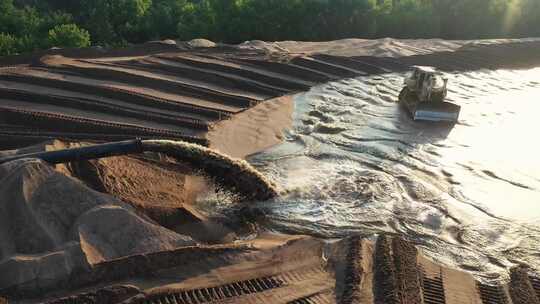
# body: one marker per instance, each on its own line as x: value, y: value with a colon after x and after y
x: 424, y: 81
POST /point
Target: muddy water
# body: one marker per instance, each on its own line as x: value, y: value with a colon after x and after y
x: 468, y: 195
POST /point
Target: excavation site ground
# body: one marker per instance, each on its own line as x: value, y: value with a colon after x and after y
x: 306, y: 181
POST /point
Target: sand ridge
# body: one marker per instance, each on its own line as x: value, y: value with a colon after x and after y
x: 51, y: 219
x: 178, y: 91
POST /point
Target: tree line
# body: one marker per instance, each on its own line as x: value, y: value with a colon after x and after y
x: 28, y: 25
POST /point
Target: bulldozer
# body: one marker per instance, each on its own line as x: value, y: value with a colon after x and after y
x: 423, y: 96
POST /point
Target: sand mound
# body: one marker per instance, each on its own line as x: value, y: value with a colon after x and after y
x: 235, y: 174
x: 385, y: 47
x: 140, y: 181
x: 111, y: 232
x: 201, y: 43
x: 161, y: 190
x: 52, y: 225
x: 262, y: 45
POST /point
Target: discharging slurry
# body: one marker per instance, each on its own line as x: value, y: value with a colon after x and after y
x: 466, y: 194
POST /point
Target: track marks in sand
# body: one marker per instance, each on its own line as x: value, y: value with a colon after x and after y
x: 240, y: 70
x: 299, y: 286
x: 214, y: 294
x: 169, y: 95
x: 194, y: 89
x: 116, y: 91
x: 389, y: 270
x: 76, y: 124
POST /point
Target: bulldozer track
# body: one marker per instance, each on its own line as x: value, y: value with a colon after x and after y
x: 248, y: 71
x: 535, y: 282
x: 332, y: 69
x: 361, y: 67
x: 318, y: 298
x: 317, y: 284
x: 236, y: 289
x: 521, y: 288
x: 433, y: 290
x: 492, y: 294
x: 211, y: 77
x: 169, y: 86
x: 385, y: 276
x: 408, y: 277
x: 297, y: 71
x: 300, y: 274
x: 120, y: 94
x: 353, y: 270
x: 213, y: 294
x: 85, y: 104
x: 24, y: 133
x: 38, y: 119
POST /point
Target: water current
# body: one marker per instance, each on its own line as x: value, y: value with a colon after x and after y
x: 468, y: 195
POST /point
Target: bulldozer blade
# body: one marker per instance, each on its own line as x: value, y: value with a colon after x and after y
x: 442, y: 111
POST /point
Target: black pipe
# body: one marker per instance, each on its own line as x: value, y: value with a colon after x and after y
x: 231, y: 173
x: 83, y: 153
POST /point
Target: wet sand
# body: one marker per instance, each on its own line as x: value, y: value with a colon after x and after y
x: 354, y: 162
x: 253, y: 130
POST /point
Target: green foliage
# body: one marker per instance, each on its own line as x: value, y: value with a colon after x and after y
x: 407, y: 19
x: 8, y: 44
x: 31, y: 24
x: 112, y: 21
x: 68, y: 35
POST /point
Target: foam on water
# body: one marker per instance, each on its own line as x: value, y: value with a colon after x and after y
x: 468, y: 195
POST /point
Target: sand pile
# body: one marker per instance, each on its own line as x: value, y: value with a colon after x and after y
x: 235, y: 174
x: 385, y: 47
x: 59, y: 220
x: 158, y: 187
x: 53, y: 225
x: 201, y: 43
